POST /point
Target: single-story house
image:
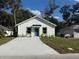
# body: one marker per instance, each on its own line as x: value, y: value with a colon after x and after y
x: 5, y: 31
x: 36, y: 26
x: 73, y: 31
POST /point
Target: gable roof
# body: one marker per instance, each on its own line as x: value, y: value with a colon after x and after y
x: 74, y: 26
x: 35, y: 17
x: 4, y: 28
x: 71, y: 27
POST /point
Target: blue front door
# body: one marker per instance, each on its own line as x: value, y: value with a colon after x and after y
x: 36, y: 31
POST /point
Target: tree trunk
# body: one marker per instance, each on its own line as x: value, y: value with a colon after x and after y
x: 14, y: 16
x: 15, y: 28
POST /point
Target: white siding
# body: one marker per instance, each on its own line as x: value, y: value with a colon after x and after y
x: 67, y: 31
x: 9, y: 33
x: 22, y: 27
x: 71, y: 32
x: 76, y: 34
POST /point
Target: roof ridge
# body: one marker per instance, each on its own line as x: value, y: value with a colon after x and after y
x: 34, y: 17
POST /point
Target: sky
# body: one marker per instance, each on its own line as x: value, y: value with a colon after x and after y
x: 38, y: 6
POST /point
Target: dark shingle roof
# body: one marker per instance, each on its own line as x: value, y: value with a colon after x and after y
x: 4, y: 28
x: 75, y: 26
x: 71, y: 27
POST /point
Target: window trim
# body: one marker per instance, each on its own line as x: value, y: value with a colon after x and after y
x: 28, y: 31
x: 44, y: 30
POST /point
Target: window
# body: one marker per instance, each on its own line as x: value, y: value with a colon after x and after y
x: 28, y: 29
x: 44, y: 30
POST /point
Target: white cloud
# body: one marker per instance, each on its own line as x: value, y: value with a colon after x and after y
x: 35, y: 12
x: 77, y: 0
x: 57, y: 17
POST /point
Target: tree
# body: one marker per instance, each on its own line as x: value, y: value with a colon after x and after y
x: 6, y: 19
x: 3, y: 4
x: 75, y: 13
x: 49, y: 10
x: 12, y: 4
x: 51, y: 7
x: 22, y: 15
x: 65, y: 11
x: 70, y: 14
x: 15, y: 5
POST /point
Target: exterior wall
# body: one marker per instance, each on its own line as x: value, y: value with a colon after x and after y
x: 22, y: 28
x: 9, y: 33
x: 71, y: 32
x: 76, y: 34
x: 67, y: 31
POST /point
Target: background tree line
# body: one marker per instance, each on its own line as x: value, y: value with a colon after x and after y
x: 16, y: 14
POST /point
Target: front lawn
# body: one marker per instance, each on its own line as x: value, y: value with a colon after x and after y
x: 4, y: 40
x: 62, y: 45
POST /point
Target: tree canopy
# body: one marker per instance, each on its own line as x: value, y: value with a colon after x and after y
x: 8, y: 18
x: 70, y: 14
x: 49, y: 10
x: 22, y: 15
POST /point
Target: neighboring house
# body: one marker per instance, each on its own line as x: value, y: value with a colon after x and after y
x: 36, y: 26
x: 73, y: 31
x: 5, y: 31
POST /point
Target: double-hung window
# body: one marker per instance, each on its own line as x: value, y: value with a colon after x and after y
x: 44, y: 30
x: 28, y: 30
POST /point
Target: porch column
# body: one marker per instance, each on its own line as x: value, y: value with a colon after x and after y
x: 32, y: 32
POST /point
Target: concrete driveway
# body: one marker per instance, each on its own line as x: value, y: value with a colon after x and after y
x: 31, y: 48
x: 26, y: 46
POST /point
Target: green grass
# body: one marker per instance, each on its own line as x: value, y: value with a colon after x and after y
x: 5, y: 40
x: 62, y: 44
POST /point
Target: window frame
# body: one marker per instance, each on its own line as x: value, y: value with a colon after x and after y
x: 44, y: 30
x: 28, y: 30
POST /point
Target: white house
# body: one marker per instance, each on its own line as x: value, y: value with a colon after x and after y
x: 73, y: 31
x: 5, y: 31
x: 36, y: 26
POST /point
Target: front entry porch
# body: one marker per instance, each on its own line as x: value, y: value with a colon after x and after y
x: 33, y: 31
x: 36, y: 31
